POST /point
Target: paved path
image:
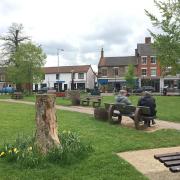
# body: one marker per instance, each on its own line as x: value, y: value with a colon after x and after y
x: 144, y: 161
x: 160, y: 124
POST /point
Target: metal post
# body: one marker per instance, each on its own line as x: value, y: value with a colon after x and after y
x: 58, y: 66
x: 72, y: 82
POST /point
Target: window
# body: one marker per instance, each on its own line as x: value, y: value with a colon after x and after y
x: 116, y: 73
x: 144, y: 60
x: 57, y: 76
x: 104, y: 72
x: 143, y: 72
x: 153, y: 72
x: 80, y: 75
x: 153, y: 59
x: 2, y: 78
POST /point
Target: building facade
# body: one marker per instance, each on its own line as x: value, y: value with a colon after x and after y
x: 67, y: 77
x: 112, y: 70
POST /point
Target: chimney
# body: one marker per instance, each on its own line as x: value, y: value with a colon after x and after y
x: 147, y: 40
x: 136, y: 53
x: 102, y: 53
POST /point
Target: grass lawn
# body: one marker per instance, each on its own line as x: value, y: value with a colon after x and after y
x: 167, y: 106
x: 106, y: 139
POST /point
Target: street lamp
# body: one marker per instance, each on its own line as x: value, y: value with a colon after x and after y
x: 72, y: 82
x: 58, y: 51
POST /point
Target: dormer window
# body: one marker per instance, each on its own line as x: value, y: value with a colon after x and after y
x: 144, y: 59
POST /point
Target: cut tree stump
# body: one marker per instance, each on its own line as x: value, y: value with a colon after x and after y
x: 46, y: 136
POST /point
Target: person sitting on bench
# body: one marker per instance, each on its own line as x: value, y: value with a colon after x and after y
x: 122, y: 98
x: 149, y: 101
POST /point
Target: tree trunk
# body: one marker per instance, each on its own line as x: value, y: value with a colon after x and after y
x: 46, y: 124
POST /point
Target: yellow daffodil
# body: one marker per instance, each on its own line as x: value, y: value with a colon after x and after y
x: 2, y: 153
x: 15, y: 150
x: 10, y: 151
x: 30, y: 148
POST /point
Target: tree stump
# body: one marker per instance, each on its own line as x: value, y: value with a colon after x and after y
x: 46, y: 136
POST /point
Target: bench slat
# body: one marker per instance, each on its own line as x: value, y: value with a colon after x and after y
x: 169, y: 158
x: 172, y: 163
x: 175, y: 169
x: 157, y: 156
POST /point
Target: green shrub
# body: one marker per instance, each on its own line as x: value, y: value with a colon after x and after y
x: 72, y: 149
x: 25, y: 154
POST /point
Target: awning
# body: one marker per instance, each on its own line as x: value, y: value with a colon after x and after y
x: 60, y: 81
x: 102, y: 81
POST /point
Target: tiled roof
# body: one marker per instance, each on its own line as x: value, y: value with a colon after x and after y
x: 146, y: 49
x: 66, y: 69
x: 118, y: 61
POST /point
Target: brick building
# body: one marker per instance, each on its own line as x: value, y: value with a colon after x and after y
x: 111, y: 70
x: 149, y: 72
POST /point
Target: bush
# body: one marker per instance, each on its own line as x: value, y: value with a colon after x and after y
x: 72, y: 149
x: 24, y: 152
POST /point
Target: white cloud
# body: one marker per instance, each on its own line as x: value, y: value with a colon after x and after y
x: 81, y: 27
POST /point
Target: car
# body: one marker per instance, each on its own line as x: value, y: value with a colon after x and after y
x: 143, y: 88
x: 148, y: 88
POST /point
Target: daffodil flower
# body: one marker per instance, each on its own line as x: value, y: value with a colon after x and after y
x: 2, y: 153
x: 30, y: 148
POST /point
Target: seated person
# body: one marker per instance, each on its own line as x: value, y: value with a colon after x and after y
x: 149, y: 101
x: 122, y: 98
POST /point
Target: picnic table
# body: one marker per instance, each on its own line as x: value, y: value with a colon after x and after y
x: 96, y: 101
x: 140, y: 115
x: 17, y: 95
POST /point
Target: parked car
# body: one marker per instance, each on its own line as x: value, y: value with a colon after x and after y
x: 148, y: 88
x: 143, y: 88
x: 137, y: 90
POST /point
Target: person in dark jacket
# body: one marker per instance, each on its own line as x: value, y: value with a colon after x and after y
x: 149, y: 101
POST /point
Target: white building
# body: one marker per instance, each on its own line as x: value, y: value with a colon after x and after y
x: 81, y: 76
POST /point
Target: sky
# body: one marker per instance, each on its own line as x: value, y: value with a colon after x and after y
x: 80, y: 27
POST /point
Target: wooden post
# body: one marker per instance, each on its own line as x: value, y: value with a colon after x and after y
x: 46, y: 136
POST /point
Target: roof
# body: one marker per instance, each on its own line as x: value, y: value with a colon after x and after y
x: 118, y: 61
x: 66, y: 69
x: 146, y: 49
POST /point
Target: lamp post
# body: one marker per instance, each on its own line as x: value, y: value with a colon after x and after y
x: 58, y: 50
x: 72, y: 82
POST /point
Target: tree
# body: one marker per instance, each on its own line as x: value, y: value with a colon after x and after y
x: 167, y: 42
x: 26, y: 65
x: 130, y: 77
x: 11, y: 41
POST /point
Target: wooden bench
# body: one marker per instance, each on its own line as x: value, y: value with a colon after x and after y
x: 96, y: 101
x: 170, y: 160
x: 17, y: 95
x: 140, y: 115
